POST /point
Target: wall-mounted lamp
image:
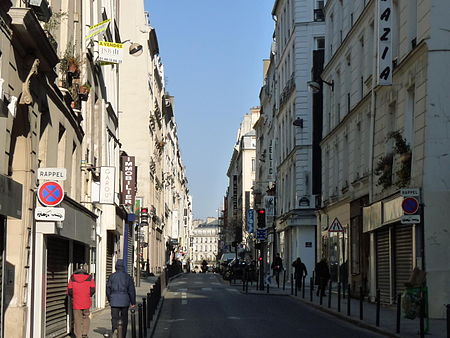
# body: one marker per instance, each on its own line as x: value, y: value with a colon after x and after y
x: 135, y: 49
x: 298, y: 122
x: 316, y: 86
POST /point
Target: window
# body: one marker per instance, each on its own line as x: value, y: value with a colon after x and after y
x: 253, y: 164
x: 319, y: 43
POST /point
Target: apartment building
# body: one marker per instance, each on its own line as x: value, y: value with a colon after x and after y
x: 205, y: 238
x: 241, y: 174
x: 384, y: 137
x: 299, y: 31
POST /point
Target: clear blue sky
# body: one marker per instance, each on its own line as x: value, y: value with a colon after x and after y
x: 212, y: 51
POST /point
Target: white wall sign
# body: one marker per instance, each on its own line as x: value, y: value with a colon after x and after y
x: 52, y: 174
x: 410, y: 219
x: 384, y: 57
x: 110, y: 52
x: 49, y: 214
x: 269, y: 205
x: 107, y: 178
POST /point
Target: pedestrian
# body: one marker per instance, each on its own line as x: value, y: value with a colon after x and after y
x: 322, y: 276
x: 299, y: 272
x: 121, y: 294
x: 80, y: 289
x: 277, y: 267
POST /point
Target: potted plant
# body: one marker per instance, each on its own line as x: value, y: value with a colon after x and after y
x: 70, y: 63
x: 83, y: 91
x: 384, y: 170
x: 400, y: 145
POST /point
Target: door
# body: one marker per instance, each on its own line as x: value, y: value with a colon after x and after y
x: 109, y: 254
x: 57, y: 279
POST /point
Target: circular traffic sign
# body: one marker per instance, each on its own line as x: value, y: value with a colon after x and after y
x: 410, y: 205
x: 50, y: 194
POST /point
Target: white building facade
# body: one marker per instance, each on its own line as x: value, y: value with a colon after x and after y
x: 299, y: 30
x: 379, y: 138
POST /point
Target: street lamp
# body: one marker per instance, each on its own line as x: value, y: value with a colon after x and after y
x: 316, y: 86
x: 135, y: 49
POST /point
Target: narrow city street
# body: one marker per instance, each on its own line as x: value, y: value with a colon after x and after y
x: 203, y: 305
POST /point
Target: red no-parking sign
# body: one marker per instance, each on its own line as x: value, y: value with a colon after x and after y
x: 50, y: 194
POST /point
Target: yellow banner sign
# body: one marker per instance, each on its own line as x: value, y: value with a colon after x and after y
x: 97, y: 29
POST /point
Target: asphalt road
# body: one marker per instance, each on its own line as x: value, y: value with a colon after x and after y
x: 203, y: 305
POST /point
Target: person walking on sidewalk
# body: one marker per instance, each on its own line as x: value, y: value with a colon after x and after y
x: 80, y: 289
x: 277, y: 267
x: 322, y: 276
x: 121, y: 293
x: 299, y: 272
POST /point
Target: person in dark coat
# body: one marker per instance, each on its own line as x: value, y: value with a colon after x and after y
x: 80, y: 289
x: 299, y: 272
x: 121, y: 293
x: 277, y: 267
x: 322, y: 276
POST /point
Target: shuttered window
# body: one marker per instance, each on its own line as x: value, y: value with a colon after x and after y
x: 57, y: 279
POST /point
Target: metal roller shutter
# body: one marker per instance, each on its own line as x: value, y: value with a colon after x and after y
x: 383, y: 265
x: 57, y: 277
x: 130, y: 250
x: 109, y: 254
x: 403, y: 258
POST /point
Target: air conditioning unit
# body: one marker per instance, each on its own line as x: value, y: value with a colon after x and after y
x: 42, y: 9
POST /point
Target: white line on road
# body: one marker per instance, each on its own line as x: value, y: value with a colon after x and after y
x: 231, y: 317
x: 233, y: 290
x: 207, y: 289
x: 183, y: 298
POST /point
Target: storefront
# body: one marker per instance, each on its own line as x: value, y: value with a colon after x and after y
x: 393, y: 248
x: 10, y: 206
x: 60, y: 249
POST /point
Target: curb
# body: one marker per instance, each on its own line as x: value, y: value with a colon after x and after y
x: 160, y: 305
x: 343, y: 317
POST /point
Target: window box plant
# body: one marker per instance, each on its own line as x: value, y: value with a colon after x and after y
x: 83, y: 91
x: 384, y: 170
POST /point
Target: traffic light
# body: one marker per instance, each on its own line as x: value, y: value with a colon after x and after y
x: 261, y: 218
x: 143, y: 217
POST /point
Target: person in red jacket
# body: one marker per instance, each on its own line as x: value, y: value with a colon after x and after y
x: 81, y: 288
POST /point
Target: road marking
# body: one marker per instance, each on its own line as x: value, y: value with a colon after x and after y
x: 216, y: 283
x: 232, y: 317
x: 207, y: 289
x: 232, y: 290
x: 181, y: 290
x: 183, y: 298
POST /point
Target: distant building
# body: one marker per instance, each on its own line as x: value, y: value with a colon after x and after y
x: 204, y: 242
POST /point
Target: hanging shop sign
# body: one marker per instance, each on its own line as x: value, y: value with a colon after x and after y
x: 110, y: 52
x: 97, y: 29
x: 107, y: 179
x: 384, y: 43
x: 128, y: 189
x: 269, y: 205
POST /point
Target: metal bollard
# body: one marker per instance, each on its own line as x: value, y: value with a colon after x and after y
x: 296, y: 286
x: 311, y: 289
x: 119, y: 328
x: 257, y: 280
x: 448, y: 320
x: 144, y: 315
x: 339, y: 296
x: 422, y: 315
x: 377, y: 320
x: 349, y: 300
x: 361, y: 300
x: 268, y: 286
x: 292, y: 284
x: 149, y: 309
x: 399, y: 312
x: 133, y: 323
x: 303, y: 287
x: 246, y: 287
x: 284, y: 280
x: 140, y: 322
x: 321, y: 292
x: 329, y: 294
x: 343, y: 291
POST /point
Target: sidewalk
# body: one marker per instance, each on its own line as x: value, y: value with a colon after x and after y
x: 388, y: 314
x: 101, y: 320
